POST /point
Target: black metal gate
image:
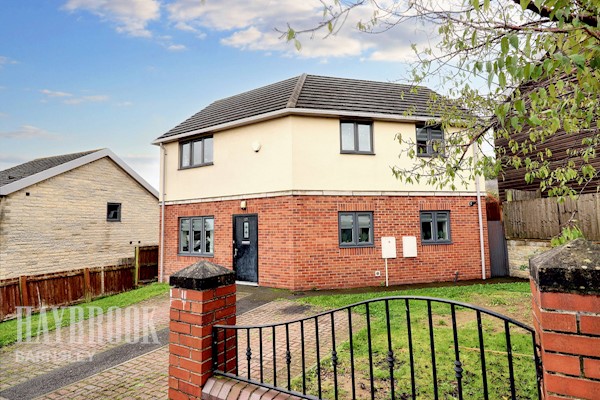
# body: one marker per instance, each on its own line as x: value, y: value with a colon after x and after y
x: 402, y: 347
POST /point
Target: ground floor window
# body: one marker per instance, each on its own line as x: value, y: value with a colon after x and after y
x: 196, y: 235
x: 435, y: 227
x: 356, y: 229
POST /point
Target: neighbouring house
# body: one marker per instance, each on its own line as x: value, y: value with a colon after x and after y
x: 290, y: 185
x: 73, y: 211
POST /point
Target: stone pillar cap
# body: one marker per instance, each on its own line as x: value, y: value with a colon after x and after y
x: 202, y: 275
x: 571, y: 268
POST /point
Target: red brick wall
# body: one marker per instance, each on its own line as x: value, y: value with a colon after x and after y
x: 568, y: 330
x: 298, y: 240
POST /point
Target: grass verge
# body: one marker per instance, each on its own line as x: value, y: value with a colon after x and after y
x: 8, y: 329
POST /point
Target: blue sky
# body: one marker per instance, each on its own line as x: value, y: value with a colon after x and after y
x: 77, y: 75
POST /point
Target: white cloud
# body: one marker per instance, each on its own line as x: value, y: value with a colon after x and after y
x: 3, y: 115
x: 124, y: 104
x: 176, y: 47
x: 131, y: 17
x: 251, y: 25
x: 6, y: 61
x: 148, y: 166
x: 53, y: 93
x: 71, y: 99
x: 28, y: 132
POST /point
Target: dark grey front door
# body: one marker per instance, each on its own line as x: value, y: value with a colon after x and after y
x: 498, y: 251
x: 245, y: 247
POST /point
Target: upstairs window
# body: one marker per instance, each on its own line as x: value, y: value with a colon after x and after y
x: 196, y: 236
x: 435, y: 227
x: 356, y: 137
x: 356, y: 229
x: 196, y: 153
x: 430, y: 141
x: 113, y: 212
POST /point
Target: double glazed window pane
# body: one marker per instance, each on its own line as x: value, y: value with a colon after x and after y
x: 364, y: 228
x: 430, y: 141
x: 442, y: 226
x: 197, y: 152
x: 426, y: 226
x: 184, y: 235
x: 185, y: 154
x: 347, y: 136
x: 197, y: 228
x: 209, y: 227
x: 347, y: 228
x: 364, y: 137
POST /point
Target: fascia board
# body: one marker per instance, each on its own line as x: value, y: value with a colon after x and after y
x: 293, y: 111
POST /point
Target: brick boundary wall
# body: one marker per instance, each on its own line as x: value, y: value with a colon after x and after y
x: 565, y: 286
x: 202, y: 295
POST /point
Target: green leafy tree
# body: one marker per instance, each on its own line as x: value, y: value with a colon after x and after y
x: 526, y: 71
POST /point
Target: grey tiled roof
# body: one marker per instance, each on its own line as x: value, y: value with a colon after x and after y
x: 24, y: 170
x: 316, y: 93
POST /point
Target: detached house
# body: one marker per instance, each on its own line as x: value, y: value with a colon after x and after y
x: 73, y: 211
x: 290, y: 185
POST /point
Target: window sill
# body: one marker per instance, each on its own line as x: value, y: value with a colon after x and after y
x: 434, y: 243
x: 367, y: 153
x: 196, y: 255
x: 356, y: 246
x: 196, y: 166
x: 113, y: 220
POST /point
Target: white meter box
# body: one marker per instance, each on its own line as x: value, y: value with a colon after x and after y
x: 409, y: 246
x: 388, y: 247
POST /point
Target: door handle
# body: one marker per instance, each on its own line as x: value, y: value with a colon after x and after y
x: 235, y: 250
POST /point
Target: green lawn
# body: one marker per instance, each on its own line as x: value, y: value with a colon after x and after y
x: 512, y: 298
x: 8, y: 329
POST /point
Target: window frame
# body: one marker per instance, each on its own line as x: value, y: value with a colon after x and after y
x: 191, y: 152
x: 355, y: 229
x: 119, y: 209
x: 434, y: 215
x: 190, y: 251
x: 355, y: 137
x: 428, y: 141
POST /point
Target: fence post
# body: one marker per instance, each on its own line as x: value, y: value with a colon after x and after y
x: 565, y: 283
x: 87, y: 285
x: 202, y: 295
x: 23, y: 293
x: 136, y: 273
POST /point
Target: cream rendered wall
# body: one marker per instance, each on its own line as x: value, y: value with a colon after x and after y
x: 318, y: 164
x: 297, y: 153
x: 62, y: 224
x: 237, y: 169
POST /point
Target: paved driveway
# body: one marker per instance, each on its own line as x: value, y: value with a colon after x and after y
x: 81, y: 363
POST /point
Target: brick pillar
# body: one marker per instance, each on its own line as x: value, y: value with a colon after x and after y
x: 565, y: 283
x: 202, y: 295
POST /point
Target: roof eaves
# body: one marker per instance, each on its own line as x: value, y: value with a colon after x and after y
x: 78, y: 162
x: 295, y: 111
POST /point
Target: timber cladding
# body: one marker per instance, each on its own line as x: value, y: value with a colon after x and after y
x: 559, y: 143
x: 544, y: 218
x: 298, y: 240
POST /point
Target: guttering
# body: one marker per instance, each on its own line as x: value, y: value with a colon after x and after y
x: 161, y: 269
x: 284, y: 112
x: 478, y: 190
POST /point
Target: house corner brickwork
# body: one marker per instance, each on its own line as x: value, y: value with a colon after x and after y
x: 565, y: 284
x: 202, y: 295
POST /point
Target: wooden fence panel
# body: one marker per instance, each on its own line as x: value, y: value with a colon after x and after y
x: 9, y: 297
x: 544, y: 218
x: 56, y: 289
